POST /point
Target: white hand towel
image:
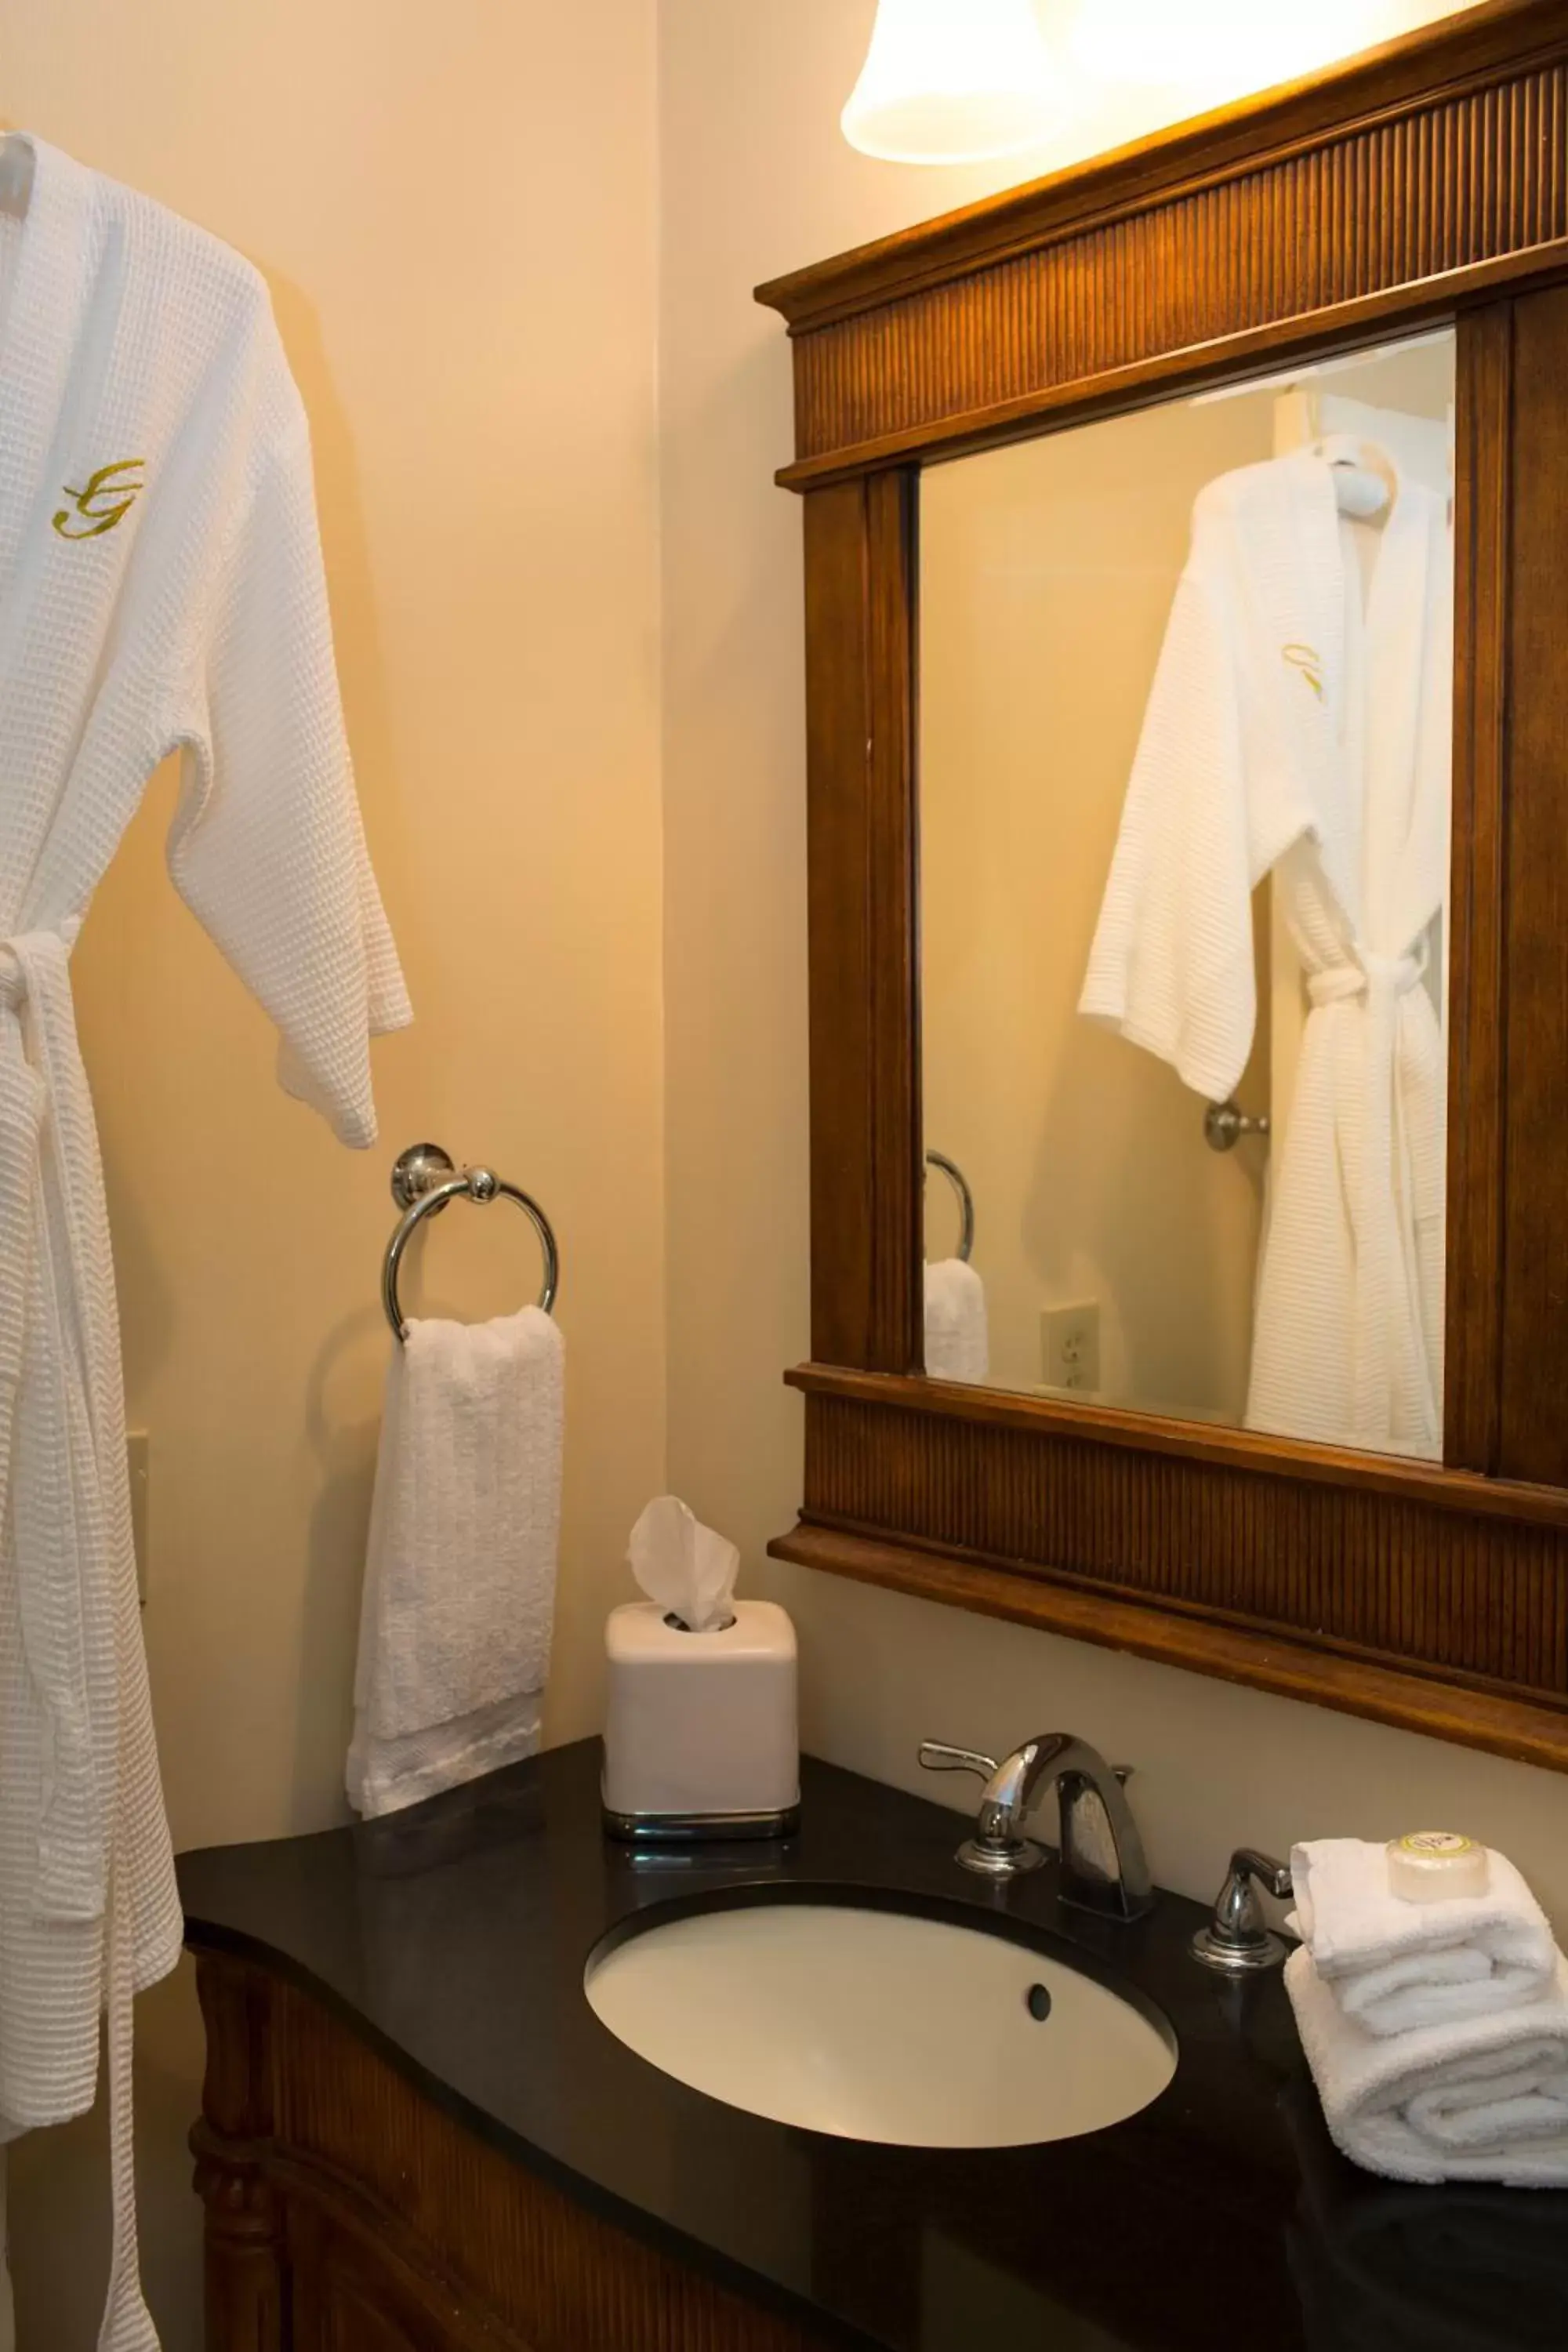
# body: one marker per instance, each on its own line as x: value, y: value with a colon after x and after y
x: 1396, y: 1965
x: 958, y: 1346
x: 1484, y: 2100
x: 459, y: 1588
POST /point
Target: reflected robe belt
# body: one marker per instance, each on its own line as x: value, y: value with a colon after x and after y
x: 1379, y: 983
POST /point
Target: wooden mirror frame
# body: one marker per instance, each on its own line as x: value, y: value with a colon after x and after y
x: 1426, y: 183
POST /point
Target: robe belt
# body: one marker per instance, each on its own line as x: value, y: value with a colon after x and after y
x: 63, y: 1460
x: 1372, y: 976
x: 1379, y: 983
x: 48, y: 1463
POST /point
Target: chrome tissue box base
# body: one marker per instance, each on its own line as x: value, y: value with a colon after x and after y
x: 699, y: 1829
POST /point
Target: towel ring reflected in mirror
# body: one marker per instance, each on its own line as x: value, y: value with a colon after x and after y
x: 959, y: 1182
x: 424, y: 1179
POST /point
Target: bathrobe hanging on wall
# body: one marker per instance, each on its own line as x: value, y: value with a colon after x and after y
x: 1298, y: 724
x: 161, y: 586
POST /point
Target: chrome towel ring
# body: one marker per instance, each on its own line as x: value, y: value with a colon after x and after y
x: 959, y: 1182
x: 423, y: 1182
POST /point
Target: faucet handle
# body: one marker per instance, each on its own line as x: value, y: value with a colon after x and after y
x: 1235, y: 1940
x: 998, y: 1848
x: 1275, y: 1876
x: 938, y: 1758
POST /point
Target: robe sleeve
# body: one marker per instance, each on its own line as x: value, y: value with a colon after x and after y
x: 1172, y: 965
x: 267, y: 847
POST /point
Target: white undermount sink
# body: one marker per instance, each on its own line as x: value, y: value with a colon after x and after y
x: 879, y: 2025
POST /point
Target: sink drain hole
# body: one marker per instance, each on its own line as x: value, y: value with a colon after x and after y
x: 1038, y: 2000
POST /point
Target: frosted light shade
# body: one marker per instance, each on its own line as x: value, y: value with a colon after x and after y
x: 952, y: 81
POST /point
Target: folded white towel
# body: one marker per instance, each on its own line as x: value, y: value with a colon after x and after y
x: 1485, y: 2100
x: 459, y: 1586
x: 1396, y: 1965
x: 958, y: 1345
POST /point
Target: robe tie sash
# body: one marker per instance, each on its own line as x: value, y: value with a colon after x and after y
x: 1374, y: 1168
x: 63, y: 1501
x: 48, y: 1469
x: 1386, y: 978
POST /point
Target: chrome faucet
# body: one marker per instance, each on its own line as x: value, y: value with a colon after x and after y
x: 1102, y: 1864
x: 1238, y: 1940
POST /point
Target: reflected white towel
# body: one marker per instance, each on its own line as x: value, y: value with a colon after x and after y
x: 1396, y: 1965
x: 1486, y: 2100
x: 459, y: 1587
x: 958, y: 1344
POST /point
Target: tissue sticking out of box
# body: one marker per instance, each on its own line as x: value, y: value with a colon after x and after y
x: 689, y: 1570
x: 701, y: 1735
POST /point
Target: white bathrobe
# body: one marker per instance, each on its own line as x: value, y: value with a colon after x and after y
x: 161, y: 587
x: 1295, y: 724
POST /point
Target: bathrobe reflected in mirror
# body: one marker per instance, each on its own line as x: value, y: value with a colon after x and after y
x: 1300, y: 723
x: 161, y: 589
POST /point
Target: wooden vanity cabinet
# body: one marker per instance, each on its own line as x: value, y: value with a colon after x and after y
x: 346, y: 2211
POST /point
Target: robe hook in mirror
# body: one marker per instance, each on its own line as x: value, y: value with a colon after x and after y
x: 17, y: 169
x: 959, y: 1182
x: 1364, y: 476
x: 424, y: 1179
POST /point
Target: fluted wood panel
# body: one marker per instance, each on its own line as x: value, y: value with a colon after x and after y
x: 1424, y: 190
x: 1370, y: 1574
x: 386, y: 2223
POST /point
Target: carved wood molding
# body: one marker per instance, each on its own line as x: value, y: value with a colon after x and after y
x: 1475, y: 1604
x: 1422, y: 171
x: 1287, y: 1667
x: 231, y: 2144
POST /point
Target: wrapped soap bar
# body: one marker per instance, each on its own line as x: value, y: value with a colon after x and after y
x: 1434, y: 1866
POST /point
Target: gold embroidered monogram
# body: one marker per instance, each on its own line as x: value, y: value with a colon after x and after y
x: 107, y: 499
x: 1309, y: 664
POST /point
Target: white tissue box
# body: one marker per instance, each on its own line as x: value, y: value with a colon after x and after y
x: 701, y: 1737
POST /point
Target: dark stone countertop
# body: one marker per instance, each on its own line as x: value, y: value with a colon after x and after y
x: 454, y: 1937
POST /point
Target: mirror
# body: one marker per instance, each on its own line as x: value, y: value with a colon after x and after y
x: 1185, y: 734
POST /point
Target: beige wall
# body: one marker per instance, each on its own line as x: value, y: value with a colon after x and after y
x: 456, y: 209
x: 757, y: 180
